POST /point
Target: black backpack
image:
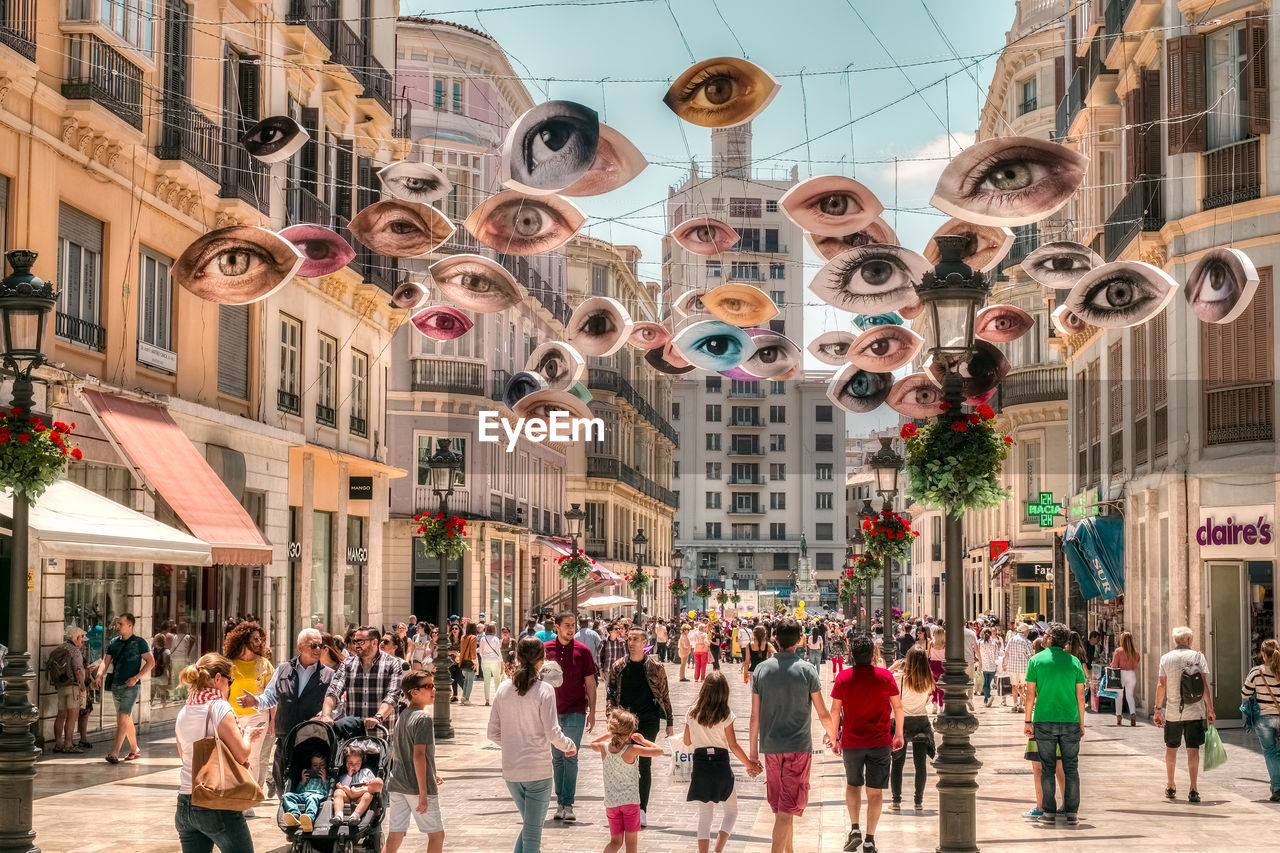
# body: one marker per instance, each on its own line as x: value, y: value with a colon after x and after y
x: 1191, y: 686
x: 58, y: 667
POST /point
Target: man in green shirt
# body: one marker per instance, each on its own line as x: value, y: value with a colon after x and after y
x: 1054, y: 695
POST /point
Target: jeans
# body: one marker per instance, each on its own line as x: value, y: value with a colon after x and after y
x: 661, y: 651
x: 201, y: 829
x: 492, y: 670
x: 1050, y: 737
x: 648, y: 728
x: 919, y: 739
x: 564, y: 769
x: 532, y: 799
x: 987, y: 678
x: 815, y: 657
x: 468, y: 681
x: 307, y: 802
x: 1268, y: 731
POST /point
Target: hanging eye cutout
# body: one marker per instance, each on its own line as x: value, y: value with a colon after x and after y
x: 550, y: 147
x: 513, y: 223
x: 617, y: 163
x: 237, y: 265
x: 740, y: 304
x: 870, y: 280
x: 987, y: 246
x: 738, y: 374
x: 884, y: 349
x: 324, y: 250
x: 916, y: 396
x: 401, y: 229
x: 859, y: 391
x: 704, y: 236
x: 1221, y: 285
x: 274, y: 139
x: 539, y: 405
x: 775, y: 355
x: 657, y: 359
x: 984, y: 370
x: 1060, y: 264
x: 689, y: 304
x: 1009, y: 181
x: 870, y: 321
x: 599, y: 326
x: 475, y: 283
x: 831, y: 348
x: 828, y: 247
x: 721, y: 92
x: 558, y: 363
x: 830, y: 206
x: 647, y: 335
x: 413, y: 181
x: 713, y: 345
x: 1121, y: 294
x: 441, y: 322
x: 1000, y: 324
x: 409, y: 295
x: 521, y: 385
x: 1066, y: 323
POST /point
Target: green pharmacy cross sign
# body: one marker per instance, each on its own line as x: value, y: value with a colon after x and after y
x: 1046, y: 509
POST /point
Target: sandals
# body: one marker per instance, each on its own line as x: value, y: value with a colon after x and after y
x: 133, y: 756
x: 113, y: 759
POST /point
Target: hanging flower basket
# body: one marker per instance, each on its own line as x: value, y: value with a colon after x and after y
x: 846, y: 593
x: 704, y: 591
x: 888, y: 535
x: 722, y: 597
x: 865, y: 569
x: 440, y: 536
x: 677, y: 588
x: 639, y: 580
x: 953, y: 464
x: 33, y: 454
x: 576, y: 567
x: 735, y: 598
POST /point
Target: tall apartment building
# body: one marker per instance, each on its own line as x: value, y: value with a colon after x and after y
x: 758, y: 461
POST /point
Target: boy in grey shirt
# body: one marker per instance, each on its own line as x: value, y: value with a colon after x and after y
x: 414, y: 786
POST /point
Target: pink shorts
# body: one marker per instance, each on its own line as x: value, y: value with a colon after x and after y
x: 623, y: 818
x: 786, y: 777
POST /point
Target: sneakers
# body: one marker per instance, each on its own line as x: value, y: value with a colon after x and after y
x: 1275, y: 796
x: 644, y: 819
x: 1048, y: 818
x: 1193, y: 796
x: 290, y: 819
x: 569, y: 816
x: 919, y: 806
x: 895, y: 806
x: 559, y: 813
x: 465, y: 702
x: 853, y: 840
x: 1032, y: 813
x: 869, y: 846
x: 306, y: 823
x: 1073, y: 818
x: 1170, y: 793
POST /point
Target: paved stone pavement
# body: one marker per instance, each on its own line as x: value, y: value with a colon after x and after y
x: 86, y: 805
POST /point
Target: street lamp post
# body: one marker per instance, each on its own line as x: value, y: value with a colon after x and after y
x: 951, y: 293
x: 677, y: 563
x: 25, y: 303
x: 640, y: 543
x: 886, y: 463
x: 573, y: 519
x: 866, y: 513
x: 724, y: 577
x: 444, y: 465
x: 852, y: 548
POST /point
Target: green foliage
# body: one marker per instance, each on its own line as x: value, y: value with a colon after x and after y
x: 33, y: 454
x: 953, y: 464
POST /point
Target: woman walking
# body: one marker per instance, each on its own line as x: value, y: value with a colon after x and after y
x: 937, y: 654
x: 1263, y: 681
x: 701, y: 651
x: 508, y: 653
x: 468, y: 661
x: 989, y: 651
x: 454, y: 655
x: 1126, y: 658
x: 251, y: 670
x: 814, y: 647
x: 915, y: 686
x: 524, y: 724
x: 709, y: 732
x: 714, y: 640
x: 836, y: 646
x: 490, y: 650
x: 758, y: 651
x: 685, y: 649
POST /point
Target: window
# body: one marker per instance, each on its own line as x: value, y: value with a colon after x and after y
x: 713, y: 384
x: 599, y: 277
x: 745, y: 532
x: 771, y: 240
x: 713, y: 500
x: 675, y: 469
x: 778, y: 326
x: 822, y: 442
x: 427, y: 447
x: 777, y: 500
x: 745, y: 416
x: 288, y: 399
x: 747, y: 562
x: 713, y: 530
x: 823, y: 532
x: 744, y: 387
x: 1028, y: 103
x: 327, y: 381
x: 1228, y: 105
x: 779, y: 297
x: 713, y: 412
x: 745, y: 502
x: 777, y: 442
x: 777, y: 471
x: 233, y: 350
x: 777, y: 531
x: 1236, y: 366
x: 675, y: 411
x: 128, y: 19
x: 713, y: 441
x: 744, y: 206
x: 824, y: 500
x: 155, y: 300
x: 359, y: 393
x: 438, y: 95
x: 713, y: 470
x: 777, y: 272
x: 744, y: 271
x: 771, y: 206
x: 778, y: 414
x: 79, y: 278
x: 777, y: 387
x: 781, y: 563
x: 823, y: 471
x: 457, y: 96
x: 822, y: 414
x: 825, y: 562
x: 713, y: 269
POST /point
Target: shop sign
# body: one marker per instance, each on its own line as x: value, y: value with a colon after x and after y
x: 1240, y: 531
x: 1085, y: 504
x: 1033, y: 572
x: 295, y: 552
x: 357, y: 556
x: 996, y: 548
x: 1046, y: 509
x: 360, y: 488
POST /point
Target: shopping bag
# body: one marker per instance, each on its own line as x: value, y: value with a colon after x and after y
x: 681, y: 762
x: 1112, y: 681
x: 218, y: 781
x: 1215, y: 754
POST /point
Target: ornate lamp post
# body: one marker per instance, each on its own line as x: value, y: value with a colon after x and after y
x: 952, y: 293
x: 25, y: 303
x: 852, y: 549
x: 886, y: 463
x: 573, y: 520
x: 724, y: 577
x: 867, y: 512
x: 640, y: 544
x: 677, y: 563
x: 444, y: 465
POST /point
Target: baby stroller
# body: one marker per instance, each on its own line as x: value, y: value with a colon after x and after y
x: 314, y: 737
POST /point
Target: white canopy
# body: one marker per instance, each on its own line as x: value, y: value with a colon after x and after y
x: 604, y: 602
x: 72, y: 522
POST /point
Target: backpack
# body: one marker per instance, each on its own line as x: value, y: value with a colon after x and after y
x: 58, y: 667
x: 1191, y: 686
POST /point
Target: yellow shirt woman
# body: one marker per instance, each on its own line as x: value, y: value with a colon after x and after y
x: 249, y: 676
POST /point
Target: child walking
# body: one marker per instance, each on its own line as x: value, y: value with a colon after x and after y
x: 620, y: 748
x: 414, y: 785
x: 301, y: 806
x: 709, y: 730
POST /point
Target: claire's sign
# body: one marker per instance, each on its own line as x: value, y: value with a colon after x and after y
x: 1237, y: 530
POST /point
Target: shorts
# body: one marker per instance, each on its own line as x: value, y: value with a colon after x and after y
x: 70, y: 698
x: 867, y: 766
x: 623, y: 818
x: 125, y: 697
x: 1189, y: 731
x: 1017, y: 679
x: 786, y: 777
x: 404, y: 806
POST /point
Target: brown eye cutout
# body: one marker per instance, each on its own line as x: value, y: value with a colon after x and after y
x: 516, y: 224
x: 721, y: 92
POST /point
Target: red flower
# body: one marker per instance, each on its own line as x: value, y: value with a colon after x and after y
x: 1008, y: 440
x: 15, y: 412
x: 960, y: 426
x: 24, y: 438
x: 37, y: 422
x: 75, y: 454
x: 986, y: 411
x: 944, y: 406
x: 908, y: 430
x: 974, y: 418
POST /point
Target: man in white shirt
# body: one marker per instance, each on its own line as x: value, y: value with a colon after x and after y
x: 588, y: 637
x: 1184, y: 683
x: 744, y: 639
x: 970, y: 657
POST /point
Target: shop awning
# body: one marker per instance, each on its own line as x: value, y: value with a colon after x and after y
x: 1094, y: 549
x: 560, y: 547
x: 71, y: 522
x: 170, y: 465
x: 1021, y: 555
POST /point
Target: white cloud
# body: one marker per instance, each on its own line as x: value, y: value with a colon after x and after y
x: 923, y: 166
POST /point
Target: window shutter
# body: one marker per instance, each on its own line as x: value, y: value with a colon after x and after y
x: 1059, y: 79
x: 1173, y: 66
x: 1150, y: 135
x: 176, y: 50
x: 1132, y: 135
x: 1256, y: 73
x: 1159, y: 359
x: 233, y: 350
x: 247, y: 90
x: 368, y: 193
x: 79, y: 228
x: 309, y: 162
x: 342, y: 182
x: 4, y: 194
x: 1188, y: 131
x: 1138, y: 348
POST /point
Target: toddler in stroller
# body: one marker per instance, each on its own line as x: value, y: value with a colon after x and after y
x: 301, y: 805
x: 357, y: 785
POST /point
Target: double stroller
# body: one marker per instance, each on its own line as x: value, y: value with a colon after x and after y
x: 312, y: 738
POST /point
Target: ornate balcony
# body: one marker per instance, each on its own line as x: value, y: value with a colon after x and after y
x: 97, y: 72
x: 18, y: 26
x: 319, y: 16
x: 1045, y: 384
x: 1231, y: 175
x: 288, y: 402
x: 81, y: 331
x: 1141, y: 209
x: 305, y: 206
x: 449, y: 376
x: 187, y: 134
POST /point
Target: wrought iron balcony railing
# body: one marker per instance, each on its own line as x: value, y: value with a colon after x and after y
x: 98, y: 72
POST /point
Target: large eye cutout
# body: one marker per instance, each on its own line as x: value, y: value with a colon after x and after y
x: 721, y: 92
x: 831, y: 348
x: 617, y: 163
x: 657, y: 359
x: 539, y: 405
x: 274, y: 139
x: 521, y: 385
x: 1009, y: 181
x: 324, y: 250
x: 740, y: 304
x: 476, y: 283
x: 828, y: 247
x: 647, y: 335
x: 704, y: 236
x: 441, y: 322
x: 859, y: 391
x: 1065, y: 323
x: 1059, y: 265
x: 831, y: 206
x: 1221, y: 285
x: 738, y: 374
x: 870, y: 321
x: 421, y: 183
x: 713, y: 345
x: 870, y: 280
x: 986, y: 247
x: 1121, y: 294
x: 689, y: 304
x: 237, y: 265
x: 984, y: 370
x: 599, y: 326
x: 884, y: 348
x: 401, y: 229
x: 550, y: 147
x: 409, y: 295
x: 512, y: 223
x: 560, y: 364
x: 775, y: 355
x: 916, y: 396
x: 1000, y: 324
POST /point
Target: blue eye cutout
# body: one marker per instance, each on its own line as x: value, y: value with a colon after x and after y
x: 714, y: 345
x: 867, y: 321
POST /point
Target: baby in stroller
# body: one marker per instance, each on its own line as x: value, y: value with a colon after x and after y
x: 358, y: 785
x: 301, y: 806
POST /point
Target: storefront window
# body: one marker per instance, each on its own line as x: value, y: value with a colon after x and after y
x: 96, y: 592
x: 494, y: 604
x: 321, y: 569
x: 353, y: 572
x: 1262, y: 607
x: 509, y: 589
x: 176, y: 611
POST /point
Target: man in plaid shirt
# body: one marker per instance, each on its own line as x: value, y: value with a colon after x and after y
x: 368, y: 685
x: 1016, y: 656
x: 612, y: 649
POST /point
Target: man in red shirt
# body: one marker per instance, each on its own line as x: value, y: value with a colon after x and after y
x: 575, y: 706
x: 862, y: 698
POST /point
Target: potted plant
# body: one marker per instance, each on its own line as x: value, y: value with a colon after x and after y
x: 33, y: 454
x: 638, y: 580
x: 576, y: 566
x: 704, y: 591
x: 735, y: 598
x: 722, y: 597
x: 888, y: 535
x: 440, y: 536
x: 678, y: 588
x: 953, y: 464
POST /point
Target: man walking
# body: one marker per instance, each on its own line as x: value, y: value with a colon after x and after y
x: 1016, y: 656
x: 588, y: 637
x: 367, y: 684
x: 129, y: 658
x: 612, y: 648
x: 575, y: 707
x: 785, y: 692
x: 660, y: 638
x: 638, y: 683
x: 862, y: 699
x: 1182, y: 709
x: 1054, y: 691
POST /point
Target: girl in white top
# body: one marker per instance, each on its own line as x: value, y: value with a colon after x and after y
x: 915, y: 689
x: 709, y: 731
x: 490, y: 649
x: 620, y: 748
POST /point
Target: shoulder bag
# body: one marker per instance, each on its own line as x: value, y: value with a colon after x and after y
x: 218, y: 781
